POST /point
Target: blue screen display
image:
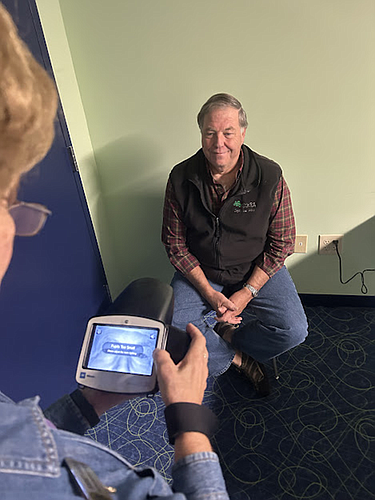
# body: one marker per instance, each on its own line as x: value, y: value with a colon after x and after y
x: 123, y: 349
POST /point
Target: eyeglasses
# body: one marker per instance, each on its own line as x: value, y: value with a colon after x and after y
x: 29, y: 218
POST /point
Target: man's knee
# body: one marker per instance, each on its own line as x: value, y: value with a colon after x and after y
x: 296, y: 325
x: 264, y: 342
x: 298, y: 333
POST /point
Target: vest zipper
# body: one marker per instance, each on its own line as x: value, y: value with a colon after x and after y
x: 217, y: 238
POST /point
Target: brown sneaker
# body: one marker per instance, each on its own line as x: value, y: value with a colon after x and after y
x: 256, y: 373
x: 222, y: 328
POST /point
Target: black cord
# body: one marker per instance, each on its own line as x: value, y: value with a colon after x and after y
x: 364, y: 288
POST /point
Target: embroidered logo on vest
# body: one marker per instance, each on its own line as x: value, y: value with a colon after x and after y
x: 244, y: 207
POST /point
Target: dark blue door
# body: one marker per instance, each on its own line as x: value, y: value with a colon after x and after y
x: 56, y: 280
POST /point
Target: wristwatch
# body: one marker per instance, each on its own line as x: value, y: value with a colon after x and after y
x: 253, y: 290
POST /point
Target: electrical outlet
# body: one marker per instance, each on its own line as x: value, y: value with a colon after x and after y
x: 300, y: 245
x: 326, y: 246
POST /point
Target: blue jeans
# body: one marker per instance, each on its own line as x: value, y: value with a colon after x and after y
x: 273, y: 322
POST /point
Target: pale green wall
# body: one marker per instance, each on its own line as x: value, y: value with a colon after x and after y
x: 305, y: 73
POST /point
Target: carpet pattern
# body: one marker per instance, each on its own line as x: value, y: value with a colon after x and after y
x: 313, y: 438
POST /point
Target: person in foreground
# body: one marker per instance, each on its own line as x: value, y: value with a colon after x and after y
x: 37, y: 459
x: 228, y: 227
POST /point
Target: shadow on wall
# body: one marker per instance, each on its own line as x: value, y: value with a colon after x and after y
x: 133, y: 186
x: 319, y: 274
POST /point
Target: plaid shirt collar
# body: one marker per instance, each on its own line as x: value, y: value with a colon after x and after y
x: 217, y: 192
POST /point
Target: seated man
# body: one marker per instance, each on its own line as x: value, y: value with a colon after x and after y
x: 228, y: 227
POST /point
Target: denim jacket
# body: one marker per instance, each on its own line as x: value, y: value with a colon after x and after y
x: 32, y: 455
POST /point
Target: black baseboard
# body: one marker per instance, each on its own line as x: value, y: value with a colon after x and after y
x: 308, y: 299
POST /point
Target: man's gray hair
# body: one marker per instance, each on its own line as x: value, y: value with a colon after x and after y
x: 222, y: 101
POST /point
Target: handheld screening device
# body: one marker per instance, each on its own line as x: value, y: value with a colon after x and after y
x: 116, y: 354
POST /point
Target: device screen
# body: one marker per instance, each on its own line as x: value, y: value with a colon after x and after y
x: 124, y: 349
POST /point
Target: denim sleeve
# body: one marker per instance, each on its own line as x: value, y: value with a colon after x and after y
x: 199, y: 476
x: 66, y: 415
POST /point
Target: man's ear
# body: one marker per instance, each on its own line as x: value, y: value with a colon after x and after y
x: 243, y: 133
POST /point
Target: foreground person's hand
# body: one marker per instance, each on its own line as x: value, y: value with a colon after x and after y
x: 186, y: 381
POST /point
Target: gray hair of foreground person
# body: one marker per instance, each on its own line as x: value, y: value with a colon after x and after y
x: 28, y: 104
x: 222, y: 101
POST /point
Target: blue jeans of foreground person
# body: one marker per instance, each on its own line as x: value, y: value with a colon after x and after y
x: 272, y: 323
x: 32, y: 454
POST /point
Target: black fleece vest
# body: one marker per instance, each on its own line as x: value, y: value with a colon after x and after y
x: 227, y: 245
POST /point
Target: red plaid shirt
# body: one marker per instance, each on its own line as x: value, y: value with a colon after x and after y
x: 280, y: 237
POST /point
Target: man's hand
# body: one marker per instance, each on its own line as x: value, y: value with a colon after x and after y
x: 240, y: 298
x: 218, y: 301
x: 225, y: 308
x: 186, y: 381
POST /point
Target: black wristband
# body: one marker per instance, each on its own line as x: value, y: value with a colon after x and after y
x: 189, y: 417
x: 85, y: 407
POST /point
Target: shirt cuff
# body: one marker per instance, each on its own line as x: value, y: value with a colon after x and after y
x: 199, y: 476
x: 269, y: 264
x: 185, y: 264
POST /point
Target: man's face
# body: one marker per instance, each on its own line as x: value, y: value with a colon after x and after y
x: 222, y: 138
